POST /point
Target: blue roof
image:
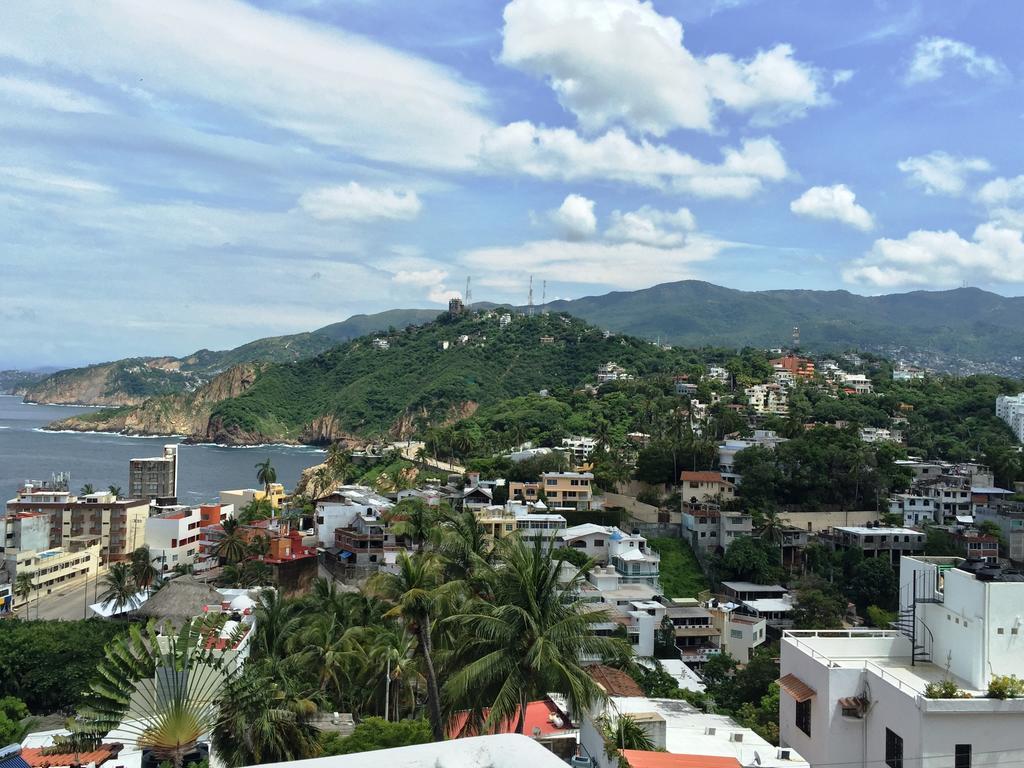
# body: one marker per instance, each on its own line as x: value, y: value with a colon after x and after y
x: 343, y: 554
x: 10, y: 757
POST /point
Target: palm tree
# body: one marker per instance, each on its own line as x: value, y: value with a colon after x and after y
x: 264, y: 719
x: 331, y: 651
x: 164, y: 691
x: 528, y: 639
x: 414, y: 594
x: 265, y: 476
x: 414, y: 520
x: 259, y: 545
x: 624, y: 733
x: 120, y: 588
x: 465, y: 550
x: 143, y: 572
x: 393, y: 650
x: 338, y: 461
x: 23, y: 586
x: 86, y: 490
x: 115, y: 491
x: 232, y: 548
x: 322, y: 480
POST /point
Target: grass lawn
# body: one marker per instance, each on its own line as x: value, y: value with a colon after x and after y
x: 681, y: 575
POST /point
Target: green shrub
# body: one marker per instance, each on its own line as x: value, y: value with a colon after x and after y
x: 1005, y: 687
x: 945, y: 689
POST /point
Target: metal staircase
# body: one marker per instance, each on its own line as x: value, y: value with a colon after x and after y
x: 909, y: 623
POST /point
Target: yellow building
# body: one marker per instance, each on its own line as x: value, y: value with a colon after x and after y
x: 495, y: 522
x: 52, y: 567
x: 559, y: 490
x: 245, y: 496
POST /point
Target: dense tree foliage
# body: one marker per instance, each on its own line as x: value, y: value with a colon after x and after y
x: 48, y: 664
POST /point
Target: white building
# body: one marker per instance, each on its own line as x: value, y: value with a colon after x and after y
x: 629, y: 554
x: 907, y: 373
x: 342, y: 507
x: 680, y: 729
x: 862, y: 697
x: 768, y: 399
x: 578, y: 449
x: 1010, y: 408
x: 727, y: 450
x: 634, y: 606
x: 880, y: 435
x: 740, y: 633
x: 719, y: 374
x: 498, y: 751
x: 857, y: 383
x: 612, y: 372
x: 173, y: 537
x: 915, y: 509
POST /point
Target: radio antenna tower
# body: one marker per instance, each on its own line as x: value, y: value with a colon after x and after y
x: 467, y: 297
x: 544, y: 298
x: 529, y: 300
x: 796, y: 337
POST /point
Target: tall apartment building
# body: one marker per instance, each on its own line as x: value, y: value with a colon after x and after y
x: 117, y: 524
x: 1010, y: 408
x: 155, y: 477
x: 866, y: 697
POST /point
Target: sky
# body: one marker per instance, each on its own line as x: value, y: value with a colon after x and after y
x: 201, y: 173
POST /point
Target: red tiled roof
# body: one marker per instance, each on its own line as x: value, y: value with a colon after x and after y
x: 796, y: 687
x: 639, y: 759
x: 614, y: 681
x: 36, y: 759
x: 538, y: 715
x: 701, y: 477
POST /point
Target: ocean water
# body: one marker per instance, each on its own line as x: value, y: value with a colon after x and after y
x: 27, y: 452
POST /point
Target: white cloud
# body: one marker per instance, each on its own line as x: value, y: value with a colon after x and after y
x: 649, y: 226
x: 575, y: 216
x: 941, y: 172
x: 35, y: 93
x: 354, y: 202
x: 420, y: 278
x: 937, y: 258
x: 1000, y: 191
x: 626, y: 266
x: 837, y: 203
x: 620, y: 61
x: 43, y: 181
x: 560, y: 153
x: 932, y: 54
x: 314, y: 81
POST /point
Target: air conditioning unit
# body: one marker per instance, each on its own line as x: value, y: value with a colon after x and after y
x: 736, y: 736
x: 581, y: 761
x: 709, y: 731
x: 784, y: 754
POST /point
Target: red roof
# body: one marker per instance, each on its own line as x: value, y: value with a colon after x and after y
x: 701, y: 477
x: 538, y: 715
x: 614, y: 681
x: 36, y: 759
x: 639, y: 759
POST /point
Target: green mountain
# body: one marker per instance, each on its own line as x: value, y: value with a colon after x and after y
x: 133, y: 380
x: 394, y: 383
x: 966, y: 323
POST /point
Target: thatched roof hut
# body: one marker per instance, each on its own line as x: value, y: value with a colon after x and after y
x: 179, y: 600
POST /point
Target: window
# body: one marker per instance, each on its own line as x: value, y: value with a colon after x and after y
x: 803, y: 716
x: 737, y: 633
x: 962, y: 756
x: 893, y: 749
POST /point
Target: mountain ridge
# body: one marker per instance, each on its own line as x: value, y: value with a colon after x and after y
x: 949, y: 330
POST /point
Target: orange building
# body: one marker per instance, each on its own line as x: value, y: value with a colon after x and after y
x: 798, y: 366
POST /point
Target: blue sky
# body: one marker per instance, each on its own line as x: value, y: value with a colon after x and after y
x: 205, y: 172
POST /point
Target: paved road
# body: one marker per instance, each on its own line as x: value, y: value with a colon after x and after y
x: 65, y: 602
x: 408, y: 450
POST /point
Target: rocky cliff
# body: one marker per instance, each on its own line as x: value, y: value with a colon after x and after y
x: 179, y: 414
